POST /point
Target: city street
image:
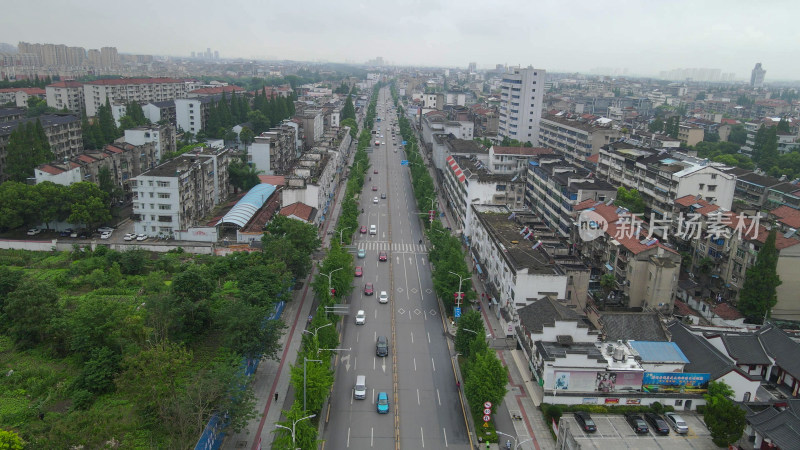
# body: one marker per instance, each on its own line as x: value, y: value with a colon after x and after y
x: 425, y: 410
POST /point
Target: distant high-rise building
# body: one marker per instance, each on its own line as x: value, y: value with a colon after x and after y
x: 521, y: 95
x: 193, y: 54
x: 472, y: 67
x: 757, y: 76
x: 216, y: 54
x: 208, y: 53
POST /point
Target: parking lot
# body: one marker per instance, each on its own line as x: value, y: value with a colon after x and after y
x: 613, y: 432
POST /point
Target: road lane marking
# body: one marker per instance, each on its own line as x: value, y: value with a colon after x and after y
x: 433, y: 364
x: 372, y: 437
x: 348, y: 437
x: 439, y: 398
x: 444, y: 432
x: 429, y: 333
x: 412, y: 337
x: 422, y: 437
x: 418, y: 402
x: 415, y: 364
x: 374, y: 362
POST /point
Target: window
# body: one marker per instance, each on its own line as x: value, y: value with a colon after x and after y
x: 163, y: 195
x: 163, y: 184
x: 713, y: 176
x: 150, y: 183
x: 151, y: 195
x: 702, y: 185
x: 165, y: 218
x: 678, y: 402
x: 712, y: 187
x: 163, y: 206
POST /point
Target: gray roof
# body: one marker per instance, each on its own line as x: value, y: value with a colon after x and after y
x: 703, y: 357
x: 628, y: 326
x: 781, y: 427
x: 544, y: 313
x: 781, y: 347
x: 48, y: 120
x: 745, y: 349
x: 549, y: 351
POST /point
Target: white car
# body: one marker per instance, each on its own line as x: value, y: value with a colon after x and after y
x: 373, y: 229
x: 35, y: 231
x: 129, y: 237
x: 141, y: 237
x: 105, y: 235
x: 361, y: 317
x: 375, y: 200
x: 383, y: 298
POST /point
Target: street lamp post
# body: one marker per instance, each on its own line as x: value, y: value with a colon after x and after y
x: 314, y: 333
x: 460, y: 281
x: 305, y: 360
x: 294, y: 424
x: 329, y: 275
x: 341, y: 234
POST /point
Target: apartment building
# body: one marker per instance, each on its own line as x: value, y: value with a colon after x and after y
x: 124, y: 90
x: 313, y: 181
x: 162, y: 136
x: 784, y: 194
x: 164, y: 111
x: 752, y: 188
x: 690, y: 135
x: 20, y: 96
x: 63, y: 133
x: 486, y: 120
x: 444, y: 145
x: 274, y: 151
x: 181, y: 192
x: 66, y: 94
x: 191, y: 114
x: 312, y: 121
x: 123, y: 160
x: 732, y: 242
x: 521, y: 97
x: 646, y: 270
x: 576, y: 139
x: 555, y: 186
x: 513, y: 160
x: 661, y: 176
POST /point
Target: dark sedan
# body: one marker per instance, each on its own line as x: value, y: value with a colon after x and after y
x: 585, y: 421
x: 637, y: 423
x: 659, y: 425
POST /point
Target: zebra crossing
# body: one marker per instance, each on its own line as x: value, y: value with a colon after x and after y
x: 396, y: 247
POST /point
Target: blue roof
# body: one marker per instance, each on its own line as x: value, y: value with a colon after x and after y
x: 246, y: 208
x: 652, y: 351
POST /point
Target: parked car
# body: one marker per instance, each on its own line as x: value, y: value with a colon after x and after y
x: 362, y: 253
x: 66, y: 232
x: 637, y: 423
x: 383, y: 298
x: 363, y: 229
x: 585, y: 421
x: 382, y: 256
x: 105, y: 229
x: 368, y: 289
x: 105, y: 234
x: 359, y: 272
x: 382, y: 346
x: 73, y: 233
x: 361, y: 317
x: 84, y: 234
x: 659, y: 425
x: 677, y: 423
x: 141, y: 237
x: 35, y: 231
x: 383, y: 403
x: 129, y: 237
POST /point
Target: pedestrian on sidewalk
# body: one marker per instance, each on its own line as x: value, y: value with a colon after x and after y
x: 276, y: 396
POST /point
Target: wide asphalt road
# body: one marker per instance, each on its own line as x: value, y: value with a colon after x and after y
x: 425, y: 410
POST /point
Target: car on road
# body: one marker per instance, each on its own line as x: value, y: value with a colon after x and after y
x: 141, y: 237
x: 383, y: 298
x: 383, y: 403
x: 105, y: 235
x: 373, y: 229
x: 129, y: 237
x: 375, y: 171
x: 375, y: 200
x: 383, y: 195
x: 359, y: 272
x: 677, y: 423
x: 368, y: 289
x: 363, y: 229
x: 374, y: 188
x: 585, y: 421
x: 34, y: 231
x: 382, y: 256
x: 105, y: 229
x: 637, y: 423
x: 382, y: 346
x: 361, y: 317
x: 659, y: 425
x: 362, y: 253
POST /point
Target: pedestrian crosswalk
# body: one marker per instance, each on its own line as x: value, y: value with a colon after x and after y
x: 395, y: 247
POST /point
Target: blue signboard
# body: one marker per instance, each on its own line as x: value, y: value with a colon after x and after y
x: 675, y: 382
x: 457, y: 311
x: 403, y: 162
x: 404, y: 142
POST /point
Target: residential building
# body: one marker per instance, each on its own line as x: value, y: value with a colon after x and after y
x: 690, y: 135
x: 661, y: 176
x: 164, y: 111
x: 191, y: 114
x: 124, y: 90
x: 786, y: 193
x: 645, y: 270
x: 313, y: 181
x: 66, y: 94
x: 215, y: 91
x: 554, y: 187
x: 162, y: 137
x: 576, y: 139
x: 513, y: 160
x: 63, y: 133
x: 274, y: 151
x: 445, y: 145
x: 312, y: 122
x: 752, y: 188
x: 180, y: 192
x: 616, y: 326
x: 19, y: 96
x: 521, y: 97
x: 757, y: 76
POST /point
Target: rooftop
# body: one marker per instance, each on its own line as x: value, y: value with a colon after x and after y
x: 126, y: 81
x: 745, y: 349
x: 552, y: 350
x: 48, y: 120
x: 521, y: 151
x: 590, y: 127
x: 545, y: 312
x: 659, y: 352
x: 638, y: 326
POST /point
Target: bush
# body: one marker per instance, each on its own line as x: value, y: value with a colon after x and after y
x: 82, y: 399
x: 552, y: 412
x: 657, y: 408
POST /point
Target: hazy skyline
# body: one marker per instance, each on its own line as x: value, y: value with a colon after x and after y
x: 643, y: 36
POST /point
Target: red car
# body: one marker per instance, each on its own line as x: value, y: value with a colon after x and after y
x: 358, y: 271
x: 368, y: 289
x: 374, y: 188
x: 382, y: 256
x: 375, y: 171
x: 363, y: 229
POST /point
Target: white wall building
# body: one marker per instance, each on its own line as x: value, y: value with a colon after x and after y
x: 66, y: 94
x: 521, y: 95
x: 162, y: 136
x: 125, y: 90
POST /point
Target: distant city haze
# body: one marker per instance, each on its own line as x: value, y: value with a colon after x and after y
x: 616, y: 37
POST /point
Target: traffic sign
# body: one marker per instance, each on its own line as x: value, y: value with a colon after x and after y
x: 403, y: 162
x: 487, y: 418
x: 457, y: 311
x: 487, y: 411
x: 404, y: 142
x: 485, y: 425
x: 487, y: 405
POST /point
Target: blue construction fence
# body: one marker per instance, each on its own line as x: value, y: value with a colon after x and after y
x: 214, y: 433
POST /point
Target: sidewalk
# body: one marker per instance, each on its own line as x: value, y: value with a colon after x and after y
x: 272, y: 377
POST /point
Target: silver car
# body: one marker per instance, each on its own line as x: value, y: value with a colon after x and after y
x: 677, y: 423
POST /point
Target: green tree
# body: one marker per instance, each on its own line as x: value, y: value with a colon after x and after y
x: 318, y: 380
x: 10, y: 440
x: 470, y: 328
x: 630, y: 199
x: 759, y: 293
x: 26, y: 149
x: 305, y: 432
x: 246, y: 136
x: 672, y: 126
x: 783, y: 126
x: 107, y: 124
x: 51, y: 202
x: 247, y: 333
x: 89, y: 205
x: 485, y: 380
x: 349, y: 111
x: 353, y: 127
x: 259, y: 121
x: 300, y: 234
x: 29, y: 310
x: 192, y: 284
x: 608, y: 282
x: 724, y: 419
x: 738, y: 134
x: 243, y: 176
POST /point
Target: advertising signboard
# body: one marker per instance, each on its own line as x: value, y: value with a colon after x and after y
x: 669, y: 382
x: 595, y: 381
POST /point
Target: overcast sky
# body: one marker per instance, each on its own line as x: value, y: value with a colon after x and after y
x: 643, y: 36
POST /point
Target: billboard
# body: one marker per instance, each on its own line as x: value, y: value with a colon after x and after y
x: 669, y: 382
x: 592, y: 381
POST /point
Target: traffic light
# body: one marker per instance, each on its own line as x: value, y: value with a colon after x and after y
x: 431, y: 215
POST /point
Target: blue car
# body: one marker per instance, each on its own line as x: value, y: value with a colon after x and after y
x: 362, y: 253
x: 383, y: 403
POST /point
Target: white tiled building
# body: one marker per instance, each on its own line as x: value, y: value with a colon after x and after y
x: 125, y: 90
x: 521, y: 95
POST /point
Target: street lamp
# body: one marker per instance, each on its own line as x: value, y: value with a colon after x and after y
x: 516, y: 445
x: 329, y: 274
x: 341, y: 234
x: 305, y: 360
x: 460, y: 281
x: 294, y: 424
x: 314, y: 333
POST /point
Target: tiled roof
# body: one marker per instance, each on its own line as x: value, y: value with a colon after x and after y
x: 594, y: 159
x: 781, y: 348
x: 682, y: 309
x: 703, y: 356
x: 745, y: 349
x: 545, y: 312
x: 644, y: 326
x: 217, y: 90
x: 275, y: 180
x: 47, y: 168
x: 126, y: 81
x: 781, y: 427
x: 529, y: 151
x: 66, y: 84
x: 727, y: 312
x: 298, y: 209
x: 787, y: 215
x: 623, y: 235
x: 29, y: 91
x: 659, y: 351
x: 729, y: 121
